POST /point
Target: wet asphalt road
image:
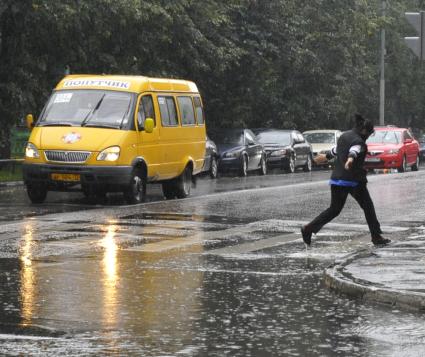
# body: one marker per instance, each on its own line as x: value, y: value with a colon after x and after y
x: 15, y: 205
x: 223, y: 273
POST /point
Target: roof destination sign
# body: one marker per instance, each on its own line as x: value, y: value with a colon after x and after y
x: 87, y: 82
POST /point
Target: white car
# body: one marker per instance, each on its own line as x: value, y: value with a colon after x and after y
x: 322, y: 141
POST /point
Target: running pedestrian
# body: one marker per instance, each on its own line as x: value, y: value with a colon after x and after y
x: 348, y: 177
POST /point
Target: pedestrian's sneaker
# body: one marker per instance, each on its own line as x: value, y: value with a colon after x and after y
x: 306, y: 235
x: 379, y: 240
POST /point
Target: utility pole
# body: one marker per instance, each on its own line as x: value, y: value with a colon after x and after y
x: 382, y: 70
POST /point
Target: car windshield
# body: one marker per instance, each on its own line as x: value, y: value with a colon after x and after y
x: 274, y: 137
x: 384, y: 137
x: 228, y: 137
x: 88, y: 108
x: 320, y: 138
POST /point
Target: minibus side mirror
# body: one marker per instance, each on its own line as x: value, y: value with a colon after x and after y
x: 149, y: 125
x: 30, y: 121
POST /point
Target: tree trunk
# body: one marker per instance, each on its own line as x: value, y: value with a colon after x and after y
x: 4, y: 143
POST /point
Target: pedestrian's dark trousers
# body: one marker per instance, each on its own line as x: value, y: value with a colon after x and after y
x: 338, y: 198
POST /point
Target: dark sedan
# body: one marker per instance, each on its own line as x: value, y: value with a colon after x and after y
x: 422, y: 148
x: 239, y: 151
x: 286, y: 149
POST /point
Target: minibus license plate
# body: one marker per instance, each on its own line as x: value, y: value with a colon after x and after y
x: 66, y: 177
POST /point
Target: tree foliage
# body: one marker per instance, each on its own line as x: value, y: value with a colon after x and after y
x: 280, y: 63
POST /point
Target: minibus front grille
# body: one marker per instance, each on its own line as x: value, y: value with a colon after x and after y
x: 74, y: 157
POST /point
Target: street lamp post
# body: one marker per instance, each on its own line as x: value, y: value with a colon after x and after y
x: 382, y: 71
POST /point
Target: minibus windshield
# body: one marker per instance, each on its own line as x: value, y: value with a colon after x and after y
x: 98, y: 108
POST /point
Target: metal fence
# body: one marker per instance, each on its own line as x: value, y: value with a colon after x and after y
x: 11, y: 169
x: 18, y: 140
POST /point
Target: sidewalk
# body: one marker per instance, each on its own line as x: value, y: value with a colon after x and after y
x: 392, y: 275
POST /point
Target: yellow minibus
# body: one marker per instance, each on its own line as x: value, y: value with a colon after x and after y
x: 110, y: 133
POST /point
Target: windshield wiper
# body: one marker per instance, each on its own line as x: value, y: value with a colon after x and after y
x: 91, y: 112
x: 98, y: 125
x: 55, y: 124
x: 125, y: 114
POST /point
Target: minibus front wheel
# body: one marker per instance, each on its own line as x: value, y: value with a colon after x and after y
x: 37, y: 192
x: 136, y: 191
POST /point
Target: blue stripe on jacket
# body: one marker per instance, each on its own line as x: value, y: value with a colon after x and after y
x: 345, y: 183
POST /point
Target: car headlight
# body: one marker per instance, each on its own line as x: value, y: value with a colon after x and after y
x: 393, y: 151
x: 231, y: 154
x: 278, y: 152
x: 31, y: 151
x: 109, y: 154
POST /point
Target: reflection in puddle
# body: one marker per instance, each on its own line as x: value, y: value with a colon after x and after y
x: 27, y: 276
x: 110, y: 278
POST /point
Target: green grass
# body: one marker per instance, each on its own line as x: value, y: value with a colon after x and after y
x: 11, y: 173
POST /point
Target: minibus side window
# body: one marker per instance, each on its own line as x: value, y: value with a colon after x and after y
x: 199, y: 111
x: 146, y: 110
x: 186, y: 110
x: 167, y: 107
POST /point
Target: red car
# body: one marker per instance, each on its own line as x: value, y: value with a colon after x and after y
x: 392, y: 148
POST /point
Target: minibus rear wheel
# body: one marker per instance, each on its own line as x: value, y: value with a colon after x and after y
x: 136, y: 191
x: 184, y: 183
x: 37, y: 192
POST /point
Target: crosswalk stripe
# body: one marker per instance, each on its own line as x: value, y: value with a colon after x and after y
x: 257, y: 245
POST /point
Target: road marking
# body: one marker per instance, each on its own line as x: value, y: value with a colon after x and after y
x: 151, y: 236
x: 27, y: 337
x: 168, y: 244
x: 257, y: 245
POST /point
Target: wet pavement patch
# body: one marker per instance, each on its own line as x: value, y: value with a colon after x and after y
x: 260, y: 293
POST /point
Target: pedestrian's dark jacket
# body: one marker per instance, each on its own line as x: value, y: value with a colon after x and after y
x: 347, y: 141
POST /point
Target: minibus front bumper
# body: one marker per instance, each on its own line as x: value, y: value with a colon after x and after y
x: 65, y: 176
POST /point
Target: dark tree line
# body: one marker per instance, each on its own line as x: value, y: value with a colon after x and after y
x: 283, y: 63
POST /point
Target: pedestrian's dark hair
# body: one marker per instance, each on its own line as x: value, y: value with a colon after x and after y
x: 363, y: 123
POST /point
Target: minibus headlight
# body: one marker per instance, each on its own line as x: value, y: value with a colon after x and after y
x: 109, y: 154
x: 31, y: 151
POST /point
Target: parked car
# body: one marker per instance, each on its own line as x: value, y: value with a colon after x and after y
x: 239, y: 151
x: 258, y: 130
x: 422, y: 148
x: 211, y: 159
x: 322, y: 141
x: 286, y: 149
x: 392, y: 147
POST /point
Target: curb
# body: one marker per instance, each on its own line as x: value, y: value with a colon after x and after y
x: 7, y: 184
x: 337, y: 280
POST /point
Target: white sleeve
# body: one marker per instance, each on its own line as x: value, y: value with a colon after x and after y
x: 354, y: 151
